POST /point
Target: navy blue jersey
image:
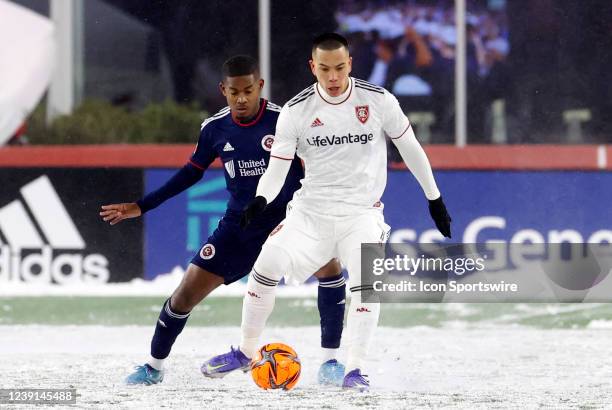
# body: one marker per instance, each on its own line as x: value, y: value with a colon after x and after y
x: 244, y: 150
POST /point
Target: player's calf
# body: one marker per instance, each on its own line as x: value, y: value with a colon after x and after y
x: 362, y: 322
x: 331, y: 304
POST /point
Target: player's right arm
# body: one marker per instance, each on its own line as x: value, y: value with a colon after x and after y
x: 187, y: 176
x: 281, y: 156
x: 416, y: 160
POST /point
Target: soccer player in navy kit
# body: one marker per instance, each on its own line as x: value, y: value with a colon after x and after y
x: 241, y: 135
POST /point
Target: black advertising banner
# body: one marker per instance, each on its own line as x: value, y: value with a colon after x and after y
x: 50, y: 230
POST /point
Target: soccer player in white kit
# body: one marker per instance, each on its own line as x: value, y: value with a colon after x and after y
x: 338, y: 127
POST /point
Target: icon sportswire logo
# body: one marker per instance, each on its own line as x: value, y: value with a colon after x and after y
x: 39, y: 245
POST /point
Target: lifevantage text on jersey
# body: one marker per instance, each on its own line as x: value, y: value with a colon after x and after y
x: 325, y: 141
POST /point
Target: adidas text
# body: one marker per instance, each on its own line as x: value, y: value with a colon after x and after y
x: 44, y: 267
x: 58, y: 255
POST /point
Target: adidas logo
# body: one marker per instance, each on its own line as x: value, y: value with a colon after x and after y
x: 316, y: 123
x: 41, y: 222
x: 228, y: 147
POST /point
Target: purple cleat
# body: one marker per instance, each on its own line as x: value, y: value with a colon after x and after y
x: 356, y: 381
x: 223, y: 364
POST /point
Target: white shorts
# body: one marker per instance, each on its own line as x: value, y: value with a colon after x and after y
x: 310, y: 241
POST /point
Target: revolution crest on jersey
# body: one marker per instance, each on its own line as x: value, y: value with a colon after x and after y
x: 207, y: 251
x: 267, y: 141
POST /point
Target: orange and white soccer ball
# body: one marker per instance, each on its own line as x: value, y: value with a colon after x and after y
x: 276, y: 366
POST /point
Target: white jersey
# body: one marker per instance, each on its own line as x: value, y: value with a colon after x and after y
x: 342, y: 142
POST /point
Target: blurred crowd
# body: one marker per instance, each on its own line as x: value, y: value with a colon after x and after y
x: 409, y: 49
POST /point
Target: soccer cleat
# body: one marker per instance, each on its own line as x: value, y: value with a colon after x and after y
x: 331, y: 373
x: 223, y: 364
x: 145, y: 375
x: 356, y: 381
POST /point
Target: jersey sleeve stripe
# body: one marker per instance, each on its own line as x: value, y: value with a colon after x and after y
x: 198, y: 166
x: 283, y: 158
x: 304, y: 91
x: 276, y: 109
x: 373, y: 87
x: 402, y: 134
x: 367, y: 84
x: 374, y: 90
x: 305, y: 97
x: 222, y: 113
x: 301, y: 94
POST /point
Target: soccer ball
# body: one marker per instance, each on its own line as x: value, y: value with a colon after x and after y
x: 276, y: 366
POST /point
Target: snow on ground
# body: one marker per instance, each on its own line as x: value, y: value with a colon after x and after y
x: 419, y: 367
x: 162, y: 285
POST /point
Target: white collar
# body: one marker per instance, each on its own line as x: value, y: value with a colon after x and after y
x: 339, y: 99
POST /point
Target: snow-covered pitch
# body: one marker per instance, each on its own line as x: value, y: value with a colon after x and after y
x: 456, y: 366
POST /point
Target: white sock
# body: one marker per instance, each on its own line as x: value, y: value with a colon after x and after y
x: 329, y: 354
x: 361, y: 324
x: 157, y: 364
x: 256, y: 307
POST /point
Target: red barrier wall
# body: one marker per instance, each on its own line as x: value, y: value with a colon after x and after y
x: 476, y: 157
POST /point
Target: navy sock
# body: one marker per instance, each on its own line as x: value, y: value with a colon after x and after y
x: 332, y: 293
x: 169, y: 325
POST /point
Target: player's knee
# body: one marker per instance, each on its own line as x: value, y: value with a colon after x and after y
x: 272, y: 263
x: 185, y: 298
x: 331, y: 269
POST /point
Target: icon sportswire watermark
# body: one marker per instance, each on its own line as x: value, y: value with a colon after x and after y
x: 488, y: 272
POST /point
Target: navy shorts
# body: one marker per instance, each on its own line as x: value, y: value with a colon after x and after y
x: 230, y: 251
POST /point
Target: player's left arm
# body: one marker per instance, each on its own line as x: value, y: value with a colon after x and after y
x: 281, y: 157
x: 400, y: 131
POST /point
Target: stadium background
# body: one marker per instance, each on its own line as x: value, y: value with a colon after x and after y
x: 539, y: 101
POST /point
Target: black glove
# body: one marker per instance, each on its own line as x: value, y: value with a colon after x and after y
x: 253, y: 208
x: 438, y: 213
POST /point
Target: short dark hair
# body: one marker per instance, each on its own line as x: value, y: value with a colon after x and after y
x: 240, y: 65
x: 329, y: 41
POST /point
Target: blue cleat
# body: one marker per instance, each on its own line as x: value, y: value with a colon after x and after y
x: 356, y: 381
x: 145, y: 375
x: 223, y: 364
x: 331, y: 373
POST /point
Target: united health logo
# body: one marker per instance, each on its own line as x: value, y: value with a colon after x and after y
x: 40, y: 243
x: 246, y: 168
